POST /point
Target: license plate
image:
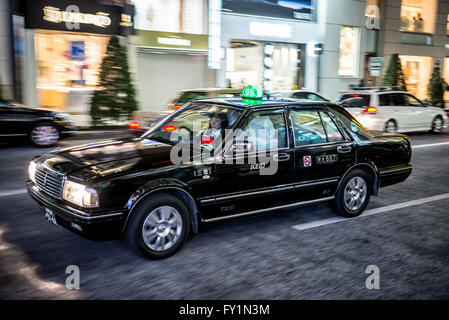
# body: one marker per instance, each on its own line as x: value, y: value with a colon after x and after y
x: 50, y: 216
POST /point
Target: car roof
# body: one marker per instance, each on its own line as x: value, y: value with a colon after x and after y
x: 266, y: 102
x: 371, y: 91
x: 213, y: 90
x: 293, y: 91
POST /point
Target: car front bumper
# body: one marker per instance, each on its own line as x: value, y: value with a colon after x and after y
x: 107, y: 225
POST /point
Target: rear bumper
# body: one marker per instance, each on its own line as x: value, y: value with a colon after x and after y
x: 395, y: 174
x: 107, y: 225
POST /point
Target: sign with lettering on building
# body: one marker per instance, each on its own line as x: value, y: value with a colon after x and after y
x: 79, y: 16
x: 375, y: 66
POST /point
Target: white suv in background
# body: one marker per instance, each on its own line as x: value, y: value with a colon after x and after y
x: 392, y: 111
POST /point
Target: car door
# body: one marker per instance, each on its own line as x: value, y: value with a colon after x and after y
x: 3, y: 118
x: 10, y: 120
x: 322, y: 152
x: 419, y: 117
x: 262, y: 174
x: 398, y: 111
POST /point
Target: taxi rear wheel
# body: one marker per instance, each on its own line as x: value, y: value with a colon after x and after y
x: 158, y: 226
x: 353, y: 195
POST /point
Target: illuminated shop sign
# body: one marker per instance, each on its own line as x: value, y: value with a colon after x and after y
x: 56, y: 15
x: 79, y: 16
x: 270, y: 30
x: 173, y: 41
x: 285, y: 9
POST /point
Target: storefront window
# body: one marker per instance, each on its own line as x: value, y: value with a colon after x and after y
x: 349, y: 40
x: 418, y: 15
x: 417, y: 72
x: 67, y: 68
x: 273, y: 66
x: 182, y: 16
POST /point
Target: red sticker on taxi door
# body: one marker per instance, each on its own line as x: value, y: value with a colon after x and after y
x: 307, y: 161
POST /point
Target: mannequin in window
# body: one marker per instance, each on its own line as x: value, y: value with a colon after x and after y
x: 418, y: 23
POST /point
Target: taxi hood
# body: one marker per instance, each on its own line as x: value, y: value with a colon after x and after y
x: 111, y: 157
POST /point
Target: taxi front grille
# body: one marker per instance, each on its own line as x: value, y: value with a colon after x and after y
x: 49, y: 182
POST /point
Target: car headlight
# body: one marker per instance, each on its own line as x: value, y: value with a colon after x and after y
x: 32, y: 171
x: 63, y: 117
x: 80, y: 194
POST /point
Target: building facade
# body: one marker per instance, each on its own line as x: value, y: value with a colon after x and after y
x: 59, y: 46
x: 417, y: 30
x: 6, y: 70
x: 322, y: 45
x: 170, y: 49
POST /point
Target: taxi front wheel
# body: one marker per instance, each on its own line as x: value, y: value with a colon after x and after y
x: 353, y: 195
x: 158, y: 226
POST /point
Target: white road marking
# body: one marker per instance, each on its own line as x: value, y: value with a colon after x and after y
x: 429, y: 145
x: 13, y: 192
x: 314, y: 224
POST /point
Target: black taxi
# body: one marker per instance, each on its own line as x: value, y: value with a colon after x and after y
x: 216, y: 159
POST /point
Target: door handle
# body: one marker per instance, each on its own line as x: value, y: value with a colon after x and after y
x: 344, y: 149
x: 281, y: 157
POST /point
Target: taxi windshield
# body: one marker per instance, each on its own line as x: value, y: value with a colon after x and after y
x: 200, y: 124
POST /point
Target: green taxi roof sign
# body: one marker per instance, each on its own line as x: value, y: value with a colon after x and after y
x: 252, y: 92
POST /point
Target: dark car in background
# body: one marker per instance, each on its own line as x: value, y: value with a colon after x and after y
x: 133, y: 188
x: 43, y: 128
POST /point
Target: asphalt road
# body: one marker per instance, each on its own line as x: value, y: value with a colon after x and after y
x: 303, y: 253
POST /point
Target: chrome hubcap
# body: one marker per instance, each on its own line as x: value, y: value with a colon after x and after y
x: 45, y: 135
x: 162, y: 228
x: 437, y: 125
x: 355, y: 193
x: 390, y: 127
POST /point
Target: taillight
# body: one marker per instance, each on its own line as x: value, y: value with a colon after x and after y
x: 177, y: 106
x: 169, y: 127
x: 134, y: 125
x: 370, y: 110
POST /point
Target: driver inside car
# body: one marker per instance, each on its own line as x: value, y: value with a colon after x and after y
x: 217, y: 125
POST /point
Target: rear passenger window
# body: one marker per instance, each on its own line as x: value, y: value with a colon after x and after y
x: 383, y: 100
x: 313, y: 127
x: 333, y: 134
x: 307, y: 95
x: 308, y: 128
x: 397, y: 99
x: 363, y: 100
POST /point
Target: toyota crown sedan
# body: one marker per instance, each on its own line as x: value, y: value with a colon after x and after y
x: 212, y: 160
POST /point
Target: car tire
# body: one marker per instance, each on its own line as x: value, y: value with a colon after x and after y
x: 44, y: 134
x: 353, y: 194
x: 437, y: 125
x: 391, y: 126
x: 159, y: 226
